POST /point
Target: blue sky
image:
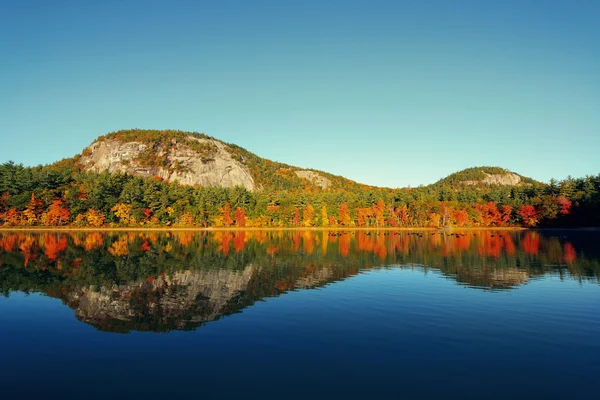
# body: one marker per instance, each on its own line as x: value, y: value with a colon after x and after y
x: 391, y: 93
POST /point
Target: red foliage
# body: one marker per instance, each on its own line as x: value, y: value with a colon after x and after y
x: 569, y: 252
x: 506, y: 213
x: 529, y: 215
x: 239, y: 241
x: 53, y: 244
x: 531, y: 243
x: 226, y: 213
x: 461, y: 217
x: 565, y: 205
x: 240, y: 217
x: 147, y: 212
x: 57, y: 214
x: 489, y: 214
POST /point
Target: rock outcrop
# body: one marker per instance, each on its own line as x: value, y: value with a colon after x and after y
x: 508, y: 179
x: 178, y: 163
x: 315, y: 178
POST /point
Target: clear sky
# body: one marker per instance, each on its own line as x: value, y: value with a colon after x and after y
x: 390, y: 93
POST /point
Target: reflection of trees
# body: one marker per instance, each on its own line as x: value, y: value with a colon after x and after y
x: 180, y: 280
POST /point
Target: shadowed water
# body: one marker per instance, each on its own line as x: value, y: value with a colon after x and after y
x: 300, y: 313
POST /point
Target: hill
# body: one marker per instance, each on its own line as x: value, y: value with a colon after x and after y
x: 192, y: 158
x: 485, y: 176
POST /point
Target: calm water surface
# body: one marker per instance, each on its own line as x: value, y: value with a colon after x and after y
x: 476, y: 314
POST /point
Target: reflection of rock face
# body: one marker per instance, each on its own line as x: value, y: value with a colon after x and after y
x: 316, y: 278
x: 492, y: 279
x: 215, y: 169
x: 182, y: 301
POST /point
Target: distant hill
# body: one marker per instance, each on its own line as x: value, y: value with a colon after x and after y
x: 485, y: 176
x: 193, y: 158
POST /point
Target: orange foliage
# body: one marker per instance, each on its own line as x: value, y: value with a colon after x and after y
x: 226, y: 214
x: 240, y: 217
x: 308, y: 242
x: 94, y: 241
x: 53, y: 244
x: 344, y: 244
x: 344, y: 214
x: 225, y: 242
x: 461, y: 217
x: 378, y: 211
x: 57, y: 214
x: 308, y: 215
x: 531, y: 243
x: 239, y: 241
x: 569, y: 253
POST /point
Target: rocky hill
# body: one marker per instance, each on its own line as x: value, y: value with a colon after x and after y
x: 192, y: 158
x: 485, y: 176
x: 195, y: 159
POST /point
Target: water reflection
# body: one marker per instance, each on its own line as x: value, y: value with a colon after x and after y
x: 152, y: 281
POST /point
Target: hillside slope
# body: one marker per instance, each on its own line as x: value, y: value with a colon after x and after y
x: 192, y: 158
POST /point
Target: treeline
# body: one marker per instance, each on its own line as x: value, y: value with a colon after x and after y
x: 61, y: 194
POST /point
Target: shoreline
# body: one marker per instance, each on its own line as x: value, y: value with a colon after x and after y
x: 220, y: 229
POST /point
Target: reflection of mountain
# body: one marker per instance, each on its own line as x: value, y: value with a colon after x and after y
x: 183, y: 301
x: 490, y: 278
x: 161, y: 282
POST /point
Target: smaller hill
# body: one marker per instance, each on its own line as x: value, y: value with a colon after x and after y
x: 485, y: 176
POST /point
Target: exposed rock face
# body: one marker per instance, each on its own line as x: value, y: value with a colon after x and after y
x: 508, y: 179
x: 182, y: 163
x: 315, y: 178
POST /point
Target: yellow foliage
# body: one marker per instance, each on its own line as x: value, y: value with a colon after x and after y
x: 95, y: 218
x: 119, y: 247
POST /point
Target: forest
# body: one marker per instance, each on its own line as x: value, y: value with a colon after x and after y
x: 63, y: 194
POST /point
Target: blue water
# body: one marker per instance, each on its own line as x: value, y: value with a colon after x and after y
x: 386, y: 333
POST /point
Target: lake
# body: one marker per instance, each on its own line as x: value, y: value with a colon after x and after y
x: 300, y: 314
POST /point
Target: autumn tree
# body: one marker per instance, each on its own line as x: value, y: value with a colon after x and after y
x: 565, y: 205
x: 489, y: 213
x: 32, y: 213
x: 324, y: 216
x: 57, y: 213
x: 344, y: 215
x: 240, y: 217
x: 123, y: 212
x: 186, y: 219
x: 506, y: 212
x: 226, y: 214
x: 308, y: 215
x: 460, y: 217
x: 95, y: 218
x: 379, y: 212
x: 529, y: 215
